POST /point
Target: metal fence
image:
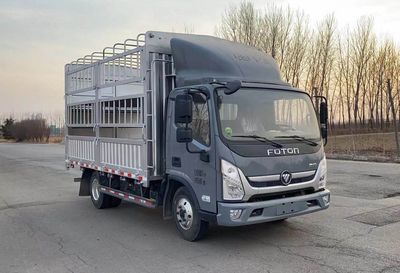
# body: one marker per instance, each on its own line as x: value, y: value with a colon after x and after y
x: 81, y: 148
x: 124, y: 153
x: 117, y: 98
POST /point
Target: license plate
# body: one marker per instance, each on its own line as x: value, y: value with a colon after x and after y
x: 287, y: 208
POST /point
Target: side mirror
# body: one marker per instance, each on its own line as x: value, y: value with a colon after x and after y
x: 323, y: 115
x: 183, y: 108
x: 323, y: 119
x: 184, y: 135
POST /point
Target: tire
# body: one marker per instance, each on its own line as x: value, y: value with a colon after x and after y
x: 99, y: 199
x: 115, y: 202
x: 187, y: 217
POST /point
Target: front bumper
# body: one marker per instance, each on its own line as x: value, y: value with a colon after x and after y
x: 273, y: 210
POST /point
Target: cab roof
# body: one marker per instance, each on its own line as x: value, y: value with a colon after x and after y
x: 202, y: 59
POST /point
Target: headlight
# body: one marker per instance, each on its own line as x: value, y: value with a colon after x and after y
x: 231, y: 183
x: 323, y: 171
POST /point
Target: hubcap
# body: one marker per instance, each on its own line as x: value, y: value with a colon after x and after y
x: 184, y: 213
x: 95, y: 189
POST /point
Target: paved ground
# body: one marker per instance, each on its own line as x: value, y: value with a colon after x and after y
x: 46, y: 227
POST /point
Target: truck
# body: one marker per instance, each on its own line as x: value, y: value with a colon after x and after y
x: 202, y: 127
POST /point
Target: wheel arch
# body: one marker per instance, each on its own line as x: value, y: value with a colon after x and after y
x: 174, y: 182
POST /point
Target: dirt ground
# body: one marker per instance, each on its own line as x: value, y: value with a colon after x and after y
x: 374, y: 144
x: 46, y: 227
x: 56, y: 139
x: 52, y: 139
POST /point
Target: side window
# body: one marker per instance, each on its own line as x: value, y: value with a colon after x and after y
x: 201, y: 121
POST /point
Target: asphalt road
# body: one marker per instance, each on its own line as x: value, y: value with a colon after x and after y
x: 46, y: 227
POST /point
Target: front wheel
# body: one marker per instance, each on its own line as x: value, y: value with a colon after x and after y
x: 187, y: 217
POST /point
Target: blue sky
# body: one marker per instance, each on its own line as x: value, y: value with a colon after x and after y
x: 39, y: 37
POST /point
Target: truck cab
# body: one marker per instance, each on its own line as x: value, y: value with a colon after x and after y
x: 251, y: 146
x: 219, y: 137
x: 249, y: 156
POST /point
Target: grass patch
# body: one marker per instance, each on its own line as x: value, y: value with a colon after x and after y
x: 373, y: 144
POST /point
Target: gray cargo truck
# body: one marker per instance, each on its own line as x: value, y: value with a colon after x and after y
x: 203, y: 127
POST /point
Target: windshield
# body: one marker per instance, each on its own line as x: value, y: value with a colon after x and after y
x: 272, y: 115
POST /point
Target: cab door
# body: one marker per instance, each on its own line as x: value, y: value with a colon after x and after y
x: 193, y: 162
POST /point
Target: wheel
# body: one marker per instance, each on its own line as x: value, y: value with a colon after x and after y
x: 99, y: 199
x: 187, y: 217
x: 115, y: 202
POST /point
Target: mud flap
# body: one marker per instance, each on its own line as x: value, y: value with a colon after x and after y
x: 84, y: 189
x: 167, y: 205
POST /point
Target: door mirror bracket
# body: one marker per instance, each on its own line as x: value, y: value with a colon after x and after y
x: 204, y: 156
x: 323, y: 117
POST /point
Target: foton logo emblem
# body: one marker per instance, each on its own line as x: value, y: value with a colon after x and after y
x: 286, y: 178
x: 283, y: 151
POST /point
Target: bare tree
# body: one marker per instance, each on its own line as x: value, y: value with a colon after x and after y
x: 293, y: 63
x: 241, y: 24
x: 188, y: 29
x: 361, y: 54
x: 349, y: 67
x: 391, y: 99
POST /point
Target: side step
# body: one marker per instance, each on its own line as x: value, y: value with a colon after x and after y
x: 148, y: 203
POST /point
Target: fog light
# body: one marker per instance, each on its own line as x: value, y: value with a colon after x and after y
x: 235, y: 214
x: 326, y: 199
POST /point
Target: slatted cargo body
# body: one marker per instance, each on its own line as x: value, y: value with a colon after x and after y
x: 114, y: 108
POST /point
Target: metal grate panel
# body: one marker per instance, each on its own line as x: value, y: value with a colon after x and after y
x: 80, y: 148
x: 123, y: 153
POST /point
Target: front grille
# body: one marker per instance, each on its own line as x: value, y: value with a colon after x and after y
x: 279, y: 183
x: 272, y: 196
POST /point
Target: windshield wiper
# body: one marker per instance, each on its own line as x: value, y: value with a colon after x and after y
x: 301, y: 139
x: 262, y: 139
